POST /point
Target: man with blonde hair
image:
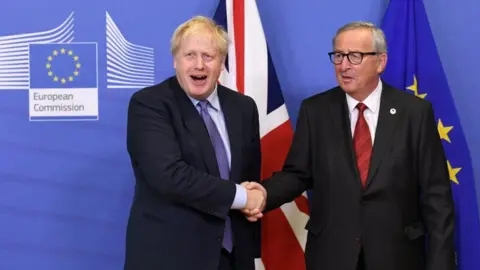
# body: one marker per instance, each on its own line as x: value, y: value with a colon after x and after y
x: 191, y: 142
x: 373, y: 158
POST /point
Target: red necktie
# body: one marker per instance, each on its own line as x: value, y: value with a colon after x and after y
x: 363, y: 144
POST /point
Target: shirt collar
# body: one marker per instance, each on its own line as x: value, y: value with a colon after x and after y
x: 372, y: 101
x: 213, y: 99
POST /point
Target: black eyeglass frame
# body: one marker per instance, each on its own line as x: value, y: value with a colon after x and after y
x: 348, y: 55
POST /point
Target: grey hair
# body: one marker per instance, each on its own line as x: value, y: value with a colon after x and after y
x: 379, y: 41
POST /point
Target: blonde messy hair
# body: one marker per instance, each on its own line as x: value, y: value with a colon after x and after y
x: 204, y: 25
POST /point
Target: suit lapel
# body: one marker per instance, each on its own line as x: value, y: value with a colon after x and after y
x: 194, y: 124
x: 387, y: 119
x: 343, y: 132
x: 233, y: 122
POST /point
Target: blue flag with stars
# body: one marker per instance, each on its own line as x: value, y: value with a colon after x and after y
x: 414, y: 65
x: 64, y: 65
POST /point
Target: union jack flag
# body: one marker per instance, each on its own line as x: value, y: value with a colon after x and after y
x: 250, y: 71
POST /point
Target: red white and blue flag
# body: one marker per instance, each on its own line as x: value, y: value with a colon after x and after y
x: 250, y: 70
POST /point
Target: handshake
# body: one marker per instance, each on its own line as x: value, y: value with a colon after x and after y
x: 256, y: 200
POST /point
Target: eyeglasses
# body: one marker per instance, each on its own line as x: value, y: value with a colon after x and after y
x: 355, y: 58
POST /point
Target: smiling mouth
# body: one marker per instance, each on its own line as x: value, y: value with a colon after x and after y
x: 198, y: 78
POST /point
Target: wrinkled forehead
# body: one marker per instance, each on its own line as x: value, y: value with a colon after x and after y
x: 355, y: 40
x: 199, y: 43
x: 197, y: 40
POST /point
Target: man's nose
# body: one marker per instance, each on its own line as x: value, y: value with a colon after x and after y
x: 199, y: 64
x: 345, y: 64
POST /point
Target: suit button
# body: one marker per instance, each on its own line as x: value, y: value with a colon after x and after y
x: 358, y: 240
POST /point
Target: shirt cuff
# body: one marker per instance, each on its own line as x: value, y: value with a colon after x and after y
x: 240, y: 200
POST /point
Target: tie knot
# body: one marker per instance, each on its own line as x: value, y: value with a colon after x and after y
x: 203, y: 104
x: 361, y: 107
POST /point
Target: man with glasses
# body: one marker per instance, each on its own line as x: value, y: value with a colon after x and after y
x: 373, y: 158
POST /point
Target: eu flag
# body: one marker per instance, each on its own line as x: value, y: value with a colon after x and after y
x: 63, y: 65
x: 414, y: 65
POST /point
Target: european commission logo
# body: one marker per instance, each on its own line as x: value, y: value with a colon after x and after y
x: 63, y: 81
x: 61, y: 74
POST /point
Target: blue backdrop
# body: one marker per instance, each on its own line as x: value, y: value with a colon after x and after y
x: 66, y: 186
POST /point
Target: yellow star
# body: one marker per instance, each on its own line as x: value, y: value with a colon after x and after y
x: 70, y: 52
x: 50, y: 73
x: 55, y: 52
x: 62, y: 51
x: 63, y: 80
x: 50, y: 58
x: 70, y: 78
x: 414, y: 88
x: 55, y: 79
x: 77, y: 65
x: 75, y: 73
x: 443, y: 131
x: 453, y: 172
x: 75, y: 58
x: 48, y: 65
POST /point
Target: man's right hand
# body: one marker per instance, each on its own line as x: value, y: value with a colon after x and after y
x: 256, y: 200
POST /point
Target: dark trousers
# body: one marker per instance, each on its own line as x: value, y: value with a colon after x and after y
x: 226, y: 261
x: 361, y: 261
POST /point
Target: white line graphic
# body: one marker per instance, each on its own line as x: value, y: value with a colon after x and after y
x: 14, y: 58
x: 128, y: 65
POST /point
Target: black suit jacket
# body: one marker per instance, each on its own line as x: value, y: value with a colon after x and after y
x: 404, y: 219
x: 178, y: 214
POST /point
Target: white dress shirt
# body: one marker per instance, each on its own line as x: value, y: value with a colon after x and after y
x: 370, y: 114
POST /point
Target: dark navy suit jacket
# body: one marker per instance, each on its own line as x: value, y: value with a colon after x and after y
x: 178, y: 214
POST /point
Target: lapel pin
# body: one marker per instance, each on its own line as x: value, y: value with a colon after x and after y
x: 393, y: 111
